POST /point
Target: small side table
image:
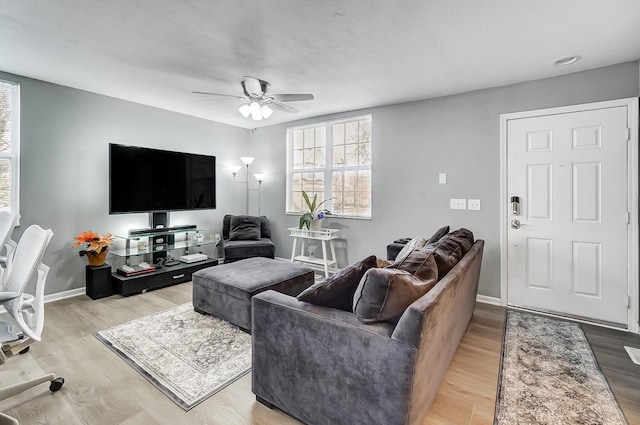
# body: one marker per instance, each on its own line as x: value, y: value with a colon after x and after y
x: 98, y: 280
x: 322, y: 235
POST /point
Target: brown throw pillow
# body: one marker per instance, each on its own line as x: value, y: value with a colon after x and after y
x: 416, y: 263
x: 414, y: 243
x: 438, y: 234
x: 337, y: 290
x: 447, y: 253
x: 244, y: 227
x: 384, y: 294
x: 462, y: 237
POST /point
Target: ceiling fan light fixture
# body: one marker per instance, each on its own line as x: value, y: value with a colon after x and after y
x: 254, y: 108
x: 244, y: 110
x: 266, y: 111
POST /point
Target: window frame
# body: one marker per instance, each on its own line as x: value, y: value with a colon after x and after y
x: 328, y: 168
x: 14, y: 155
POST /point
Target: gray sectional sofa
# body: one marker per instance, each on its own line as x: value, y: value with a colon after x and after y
x: 324, y: 366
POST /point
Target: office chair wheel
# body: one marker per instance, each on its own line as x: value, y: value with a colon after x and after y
x: 24, y: 351
x: 56, y: 384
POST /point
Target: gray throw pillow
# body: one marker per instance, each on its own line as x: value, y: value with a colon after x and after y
x: 244, y: 227
x: 384, y: 294
x: 337, y: 291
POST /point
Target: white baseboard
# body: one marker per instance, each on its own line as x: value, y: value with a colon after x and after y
x: 488, y: 300
x: 57, y: 296
x: 63, y: 295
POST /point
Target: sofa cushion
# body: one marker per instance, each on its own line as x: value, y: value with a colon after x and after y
x: 438, y: 234
x: 265, y: 228
x: 238, y: 250
x: 462, y: 237
x: 414, y: 243
x: 244, y: 227
x: 337, y: 291
x: 384, y: 294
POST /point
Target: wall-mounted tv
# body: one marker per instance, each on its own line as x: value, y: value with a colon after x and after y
x: 153, y: 180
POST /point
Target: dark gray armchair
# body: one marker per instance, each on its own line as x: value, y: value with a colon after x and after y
x: 252, y: 238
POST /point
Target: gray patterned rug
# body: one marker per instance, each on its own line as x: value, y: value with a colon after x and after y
x: 186, y: 355
x: 549, y: 375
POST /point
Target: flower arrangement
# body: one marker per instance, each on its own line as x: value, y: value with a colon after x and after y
x: 96, y: 243
x: 315, y: 212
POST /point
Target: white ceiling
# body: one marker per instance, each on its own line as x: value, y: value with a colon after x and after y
x: 350, y: 54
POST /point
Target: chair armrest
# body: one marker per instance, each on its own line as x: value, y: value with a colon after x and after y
x: 322, y: 365
x: 7, y: 296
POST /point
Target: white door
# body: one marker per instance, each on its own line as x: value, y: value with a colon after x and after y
x: 570, y: 252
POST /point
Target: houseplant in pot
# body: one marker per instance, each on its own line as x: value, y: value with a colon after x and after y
x: 96, y: 246
x: 311, y: 219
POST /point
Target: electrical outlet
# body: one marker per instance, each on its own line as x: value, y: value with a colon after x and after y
x: 458, y: 204
x: 474, y: 204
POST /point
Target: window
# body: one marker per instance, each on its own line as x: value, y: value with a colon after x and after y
x: 333, y: 160
x: 9, y: 146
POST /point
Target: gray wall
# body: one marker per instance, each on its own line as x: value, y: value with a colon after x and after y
x: 413, y: 142
x: 64, y: 166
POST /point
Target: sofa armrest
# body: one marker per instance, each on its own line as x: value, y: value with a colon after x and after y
x: 322, y: 365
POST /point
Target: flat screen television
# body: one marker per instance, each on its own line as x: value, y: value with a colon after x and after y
x: 153, y: 180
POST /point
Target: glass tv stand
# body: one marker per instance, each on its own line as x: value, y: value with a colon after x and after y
x: 155, y: 245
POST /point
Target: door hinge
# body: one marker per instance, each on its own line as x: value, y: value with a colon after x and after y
x: 628, y: 301
x: 628, y: 134
x: 628, y: 217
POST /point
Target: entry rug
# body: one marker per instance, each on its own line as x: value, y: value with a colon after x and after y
x: 549, y: 375
x: 186, y: 355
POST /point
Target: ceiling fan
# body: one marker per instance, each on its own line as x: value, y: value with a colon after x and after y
x: 257, y: 102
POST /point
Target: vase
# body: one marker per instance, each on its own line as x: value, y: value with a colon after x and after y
x: 315, y: 225
x: 97, y: 259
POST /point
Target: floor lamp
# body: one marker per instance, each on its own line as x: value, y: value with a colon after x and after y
x: 246, y: 160
x: 260, y: 178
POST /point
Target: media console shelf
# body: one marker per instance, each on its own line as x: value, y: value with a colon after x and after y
x: 158, y: 243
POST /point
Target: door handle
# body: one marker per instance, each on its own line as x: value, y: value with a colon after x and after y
x: 515, y: 224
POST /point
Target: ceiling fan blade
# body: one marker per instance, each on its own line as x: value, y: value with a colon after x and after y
x: 291, y: 97
x: 284, y: 108
x: 230, y: 96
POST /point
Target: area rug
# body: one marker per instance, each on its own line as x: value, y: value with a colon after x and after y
x: 186, y: 355
x: 549, y: 375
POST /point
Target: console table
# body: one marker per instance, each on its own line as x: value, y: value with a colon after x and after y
x: 322, y: 235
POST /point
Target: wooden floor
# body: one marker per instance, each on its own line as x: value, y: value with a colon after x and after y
x: 102, y: 389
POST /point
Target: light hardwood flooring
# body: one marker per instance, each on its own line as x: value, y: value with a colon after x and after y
x: 102, y: 389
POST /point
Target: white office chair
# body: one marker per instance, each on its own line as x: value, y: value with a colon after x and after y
x: 8, y: 222
x: 27, y: 310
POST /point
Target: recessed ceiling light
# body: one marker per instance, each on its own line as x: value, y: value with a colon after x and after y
x: 567, y: 61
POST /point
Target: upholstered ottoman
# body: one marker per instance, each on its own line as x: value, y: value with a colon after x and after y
x: 225, y: 291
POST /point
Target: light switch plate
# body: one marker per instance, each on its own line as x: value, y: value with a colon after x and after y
x: 457, y: 204
x: 474, y: 204
x: 442, y: 178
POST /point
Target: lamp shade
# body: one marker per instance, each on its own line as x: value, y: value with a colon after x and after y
x: 247, y: 160
x: 266, y: 111
x: 259, y: 177
x: 234, y: 168
x: 245, y: 111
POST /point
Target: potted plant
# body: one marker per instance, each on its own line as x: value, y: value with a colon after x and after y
x: 97, y: 246
x: 311, y: 219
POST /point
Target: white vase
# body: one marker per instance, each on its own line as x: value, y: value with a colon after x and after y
x: 315, y: 224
